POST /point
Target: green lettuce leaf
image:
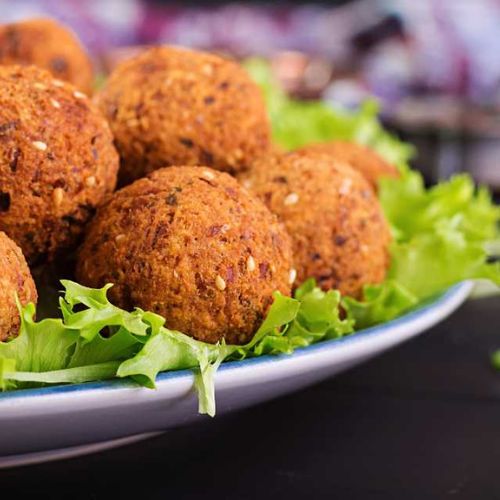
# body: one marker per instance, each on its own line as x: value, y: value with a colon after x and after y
x: 442, y: 234
x: 297, y: 123
x: 380, y: 303
x: 311, y: 316
x: 96, y: 340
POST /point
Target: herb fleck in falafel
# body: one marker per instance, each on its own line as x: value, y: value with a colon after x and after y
x: 192, y: 245
x: 172, y: 106
x: 57, y: 161
x: 339, y: 234
x: 15, y: 278
x: 365, y: 160
x: 47, y: 44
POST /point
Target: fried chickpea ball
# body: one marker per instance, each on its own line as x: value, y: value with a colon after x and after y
x: 15, y: 278
x: 365, y: 160
x: 57, y: 161
x: 339, y: 234
x: 191, y: 244
x: 171, y: 106
x: 47, y: 44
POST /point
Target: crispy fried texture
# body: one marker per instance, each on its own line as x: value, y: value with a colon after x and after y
x: 190, y: 244
x: 363, y: 159
x: 47, y: 44
x: 57, y: 161
x: 15, y: 278
x: 171, y: 106
x: 338, y: 230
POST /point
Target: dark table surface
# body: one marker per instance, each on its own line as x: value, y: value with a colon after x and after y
x: 420, y: 422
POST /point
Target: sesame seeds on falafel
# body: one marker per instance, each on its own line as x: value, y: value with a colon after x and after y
x: 338, y: 231
x: 56, y: 162
x: 171, y: 106
x: 196, y: 248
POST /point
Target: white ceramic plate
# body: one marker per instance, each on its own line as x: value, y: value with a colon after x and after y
x: 56, y: 422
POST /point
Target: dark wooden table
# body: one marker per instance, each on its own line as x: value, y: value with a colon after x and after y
x: 420, y: 422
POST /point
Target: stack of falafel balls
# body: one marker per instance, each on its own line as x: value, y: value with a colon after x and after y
x: 209, y: 220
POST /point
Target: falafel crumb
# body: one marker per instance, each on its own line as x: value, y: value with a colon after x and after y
x: 345, y: 187
x: 220, y: 283
x: 291, y: 199
x: 251, y: 264
x: 39, y: 145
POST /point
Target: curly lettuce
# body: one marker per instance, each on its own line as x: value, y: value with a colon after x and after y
x: 95, y: 340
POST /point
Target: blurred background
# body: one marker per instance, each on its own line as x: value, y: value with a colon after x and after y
x: 432, y: 64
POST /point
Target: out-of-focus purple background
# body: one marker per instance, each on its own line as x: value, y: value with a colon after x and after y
x: 433, y: 64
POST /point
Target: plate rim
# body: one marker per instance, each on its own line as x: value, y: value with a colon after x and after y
x: 457, y: 292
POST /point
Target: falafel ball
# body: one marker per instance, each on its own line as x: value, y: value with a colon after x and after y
x: 193, y: 245
x: 15, y: 278
x: 365, y: 160
x: 172, y: 106
x: 49, y: 45
x: 57, y: 161
x: 339, y: 234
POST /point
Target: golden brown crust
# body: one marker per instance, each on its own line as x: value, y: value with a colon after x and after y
x: 363, y: 159
x: 57, y: 160
x: 339, y: 234
x: 49, y: 45
x: 15, y: 278
x: 171, y: 106
x: 192, y: 245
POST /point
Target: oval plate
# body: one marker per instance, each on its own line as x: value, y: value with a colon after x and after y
x: 56, y: 422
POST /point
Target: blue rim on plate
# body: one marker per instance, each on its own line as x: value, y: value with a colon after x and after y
x: 231, y: 365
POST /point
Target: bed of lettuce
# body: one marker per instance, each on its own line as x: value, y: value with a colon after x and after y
x: 442, y: 235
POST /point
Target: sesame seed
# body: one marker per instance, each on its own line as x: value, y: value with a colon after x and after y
x: 79, y: 95
x: 57, y: 83
x: 90, y: 181
x: 119, y: 237
x: 55, y: 103
x: 345, y: 187
x: 207, y: 69
x: 176, y: 274
x: 291, y: 199
x: 57, y: 196
x: 247, y: 183
x: 39, y: 145
x: 220, y: 283
x: 292, y: 276
x: 133, y: 122
x: 208, y: 175
x: 250, y: 264
x: 39, y: 86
